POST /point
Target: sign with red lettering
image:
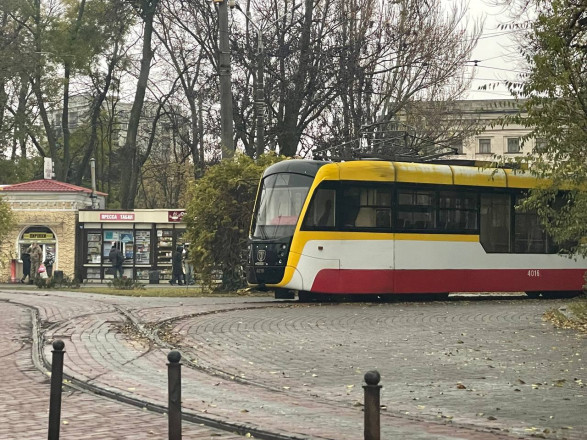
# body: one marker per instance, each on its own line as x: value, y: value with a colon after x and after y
x: 117, y: 216
x: 175, y: 216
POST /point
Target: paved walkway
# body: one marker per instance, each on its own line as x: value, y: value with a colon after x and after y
x: 296, y: 370
x: 24, y: 406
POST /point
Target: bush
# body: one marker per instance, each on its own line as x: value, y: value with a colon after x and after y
x: 125, y: 284
x: 218, y: 217
x: 52, y: 283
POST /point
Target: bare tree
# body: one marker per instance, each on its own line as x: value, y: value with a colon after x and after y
x: 303, y: 78
x: 333, y: 67
x: 188, y: 35
x: 15, y: 66
x: 394, y: 55
x: 118, y: 15
x: 131, y: 154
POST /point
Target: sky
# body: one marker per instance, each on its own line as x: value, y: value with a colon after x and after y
x: 496, y: 52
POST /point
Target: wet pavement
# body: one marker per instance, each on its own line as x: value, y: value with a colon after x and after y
x: 458, y: 369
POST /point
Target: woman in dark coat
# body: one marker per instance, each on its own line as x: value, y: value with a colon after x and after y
x: 177, y: 266
x: 26, y: 266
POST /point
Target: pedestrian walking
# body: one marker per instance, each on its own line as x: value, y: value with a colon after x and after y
x: 36, y: 254
x: 26, y: 267
x: 116, y: 258
x: 177, y: 267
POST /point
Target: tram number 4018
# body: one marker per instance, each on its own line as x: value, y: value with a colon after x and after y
x: 534, y: 273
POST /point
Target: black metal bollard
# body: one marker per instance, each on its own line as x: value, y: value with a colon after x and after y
x: 174, y: 390
x: 56, y: 384
x: 372, y: 405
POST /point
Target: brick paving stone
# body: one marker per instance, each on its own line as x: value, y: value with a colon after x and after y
x: 301, y: 367
x: 25, y: 398
x: 515, y: 372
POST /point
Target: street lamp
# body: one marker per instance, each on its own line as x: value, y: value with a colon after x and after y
x: 226, y: 113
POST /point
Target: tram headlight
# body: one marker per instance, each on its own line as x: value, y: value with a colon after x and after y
x: 280, y: 261
x: 283, y: 246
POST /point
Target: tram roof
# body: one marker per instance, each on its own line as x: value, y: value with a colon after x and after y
x: 427, y: 173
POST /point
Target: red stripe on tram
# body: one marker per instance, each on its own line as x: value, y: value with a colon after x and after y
x: 430, y: 281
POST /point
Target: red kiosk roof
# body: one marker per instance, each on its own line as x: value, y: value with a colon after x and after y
x: 48, y: 185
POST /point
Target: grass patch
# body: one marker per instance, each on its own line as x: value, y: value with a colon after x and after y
x: 125, y: 284
x: 572, y: 316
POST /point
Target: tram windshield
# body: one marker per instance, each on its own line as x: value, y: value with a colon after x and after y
x: 279, y: 205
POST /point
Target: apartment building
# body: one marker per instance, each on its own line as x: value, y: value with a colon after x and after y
x: 494, y: 138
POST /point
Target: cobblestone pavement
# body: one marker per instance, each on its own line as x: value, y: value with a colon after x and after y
x: 24, y: 407
x: 464, y: 369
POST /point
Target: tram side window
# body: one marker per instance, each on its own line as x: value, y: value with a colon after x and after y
x: 529, y: 237
x: 495, y: 222
x: 457, y: 211
x: 365, y: 207
x: 322, y: 210
x: 416, y: 209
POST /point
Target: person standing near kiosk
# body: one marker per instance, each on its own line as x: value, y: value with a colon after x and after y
x: 49, y: 261
x: 177, y: 267
x: 36, y: 255
x: 116, y: 258
x: 26, y: 267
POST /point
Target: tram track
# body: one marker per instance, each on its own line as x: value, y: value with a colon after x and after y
x: 39, y: 329
x: 156, y: 333
x: 152, y: 332
x: 70, y: 381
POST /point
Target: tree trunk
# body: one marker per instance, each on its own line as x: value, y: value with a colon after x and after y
x: 224, y: 72
x: 67, y: 67
x: 95, y: 115
x: 130, y: 153
x: 65, y: 122
x: 290, y: 133
x: 201, y: 133
x: 3, y: 101
x: 36, y: 80
x: 20, y: 117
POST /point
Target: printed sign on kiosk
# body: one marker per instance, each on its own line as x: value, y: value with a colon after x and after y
x: 117, y: 216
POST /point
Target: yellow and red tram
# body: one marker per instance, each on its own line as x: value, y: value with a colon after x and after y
x: 378, y: 227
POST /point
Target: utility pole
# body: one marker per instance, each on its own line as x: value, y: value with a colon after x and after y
x: 259, y: 92
x: 226, y: 113
x: 260, y: 97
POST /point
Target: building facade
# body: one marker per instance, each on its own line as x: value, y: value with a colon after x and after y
x: 46, y: 212
x: 494, y: 138
x: 59, y: 217
x: 146, y: 237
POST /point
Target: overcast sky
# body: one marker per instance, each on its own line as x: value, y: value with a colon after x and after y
x: 496, y: 51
